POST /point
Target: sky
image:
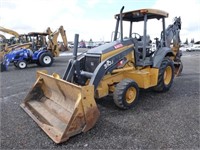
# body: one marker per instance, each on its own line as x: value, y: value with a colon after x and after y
x: 93, y: 19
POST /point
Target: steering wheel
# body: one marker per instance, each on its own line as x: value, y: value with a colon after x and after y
x: 137, y: 36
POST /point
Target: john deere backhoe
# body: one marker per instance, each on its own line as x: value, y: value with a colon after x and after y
x: 65, y: 106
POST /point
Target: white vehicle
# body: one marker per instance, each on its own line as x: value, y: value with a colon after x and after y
x: 71, y: 45
x: 194, y: 47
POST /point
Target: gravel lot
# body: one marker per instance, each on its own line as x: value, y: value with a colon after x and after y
x: 160, y: 120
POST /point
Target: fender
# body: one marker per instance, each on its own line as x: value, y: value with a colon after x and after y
x: 160, y: 54
x: 37, y: 54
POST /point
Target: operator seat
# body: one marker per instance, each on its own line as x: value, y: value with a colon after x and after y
x: 141, y: 42
x: 30, y: 52
x: 148, y: 46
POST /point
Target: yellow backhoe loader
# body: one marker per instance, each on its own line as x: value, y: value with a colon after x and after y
x: 7, y: 42
x: 65, y: 106
x: 53, y: 45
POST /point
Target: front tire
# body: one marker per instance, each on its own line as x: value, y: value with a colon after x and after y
x: 126, y: 94
x: 166, y: 76
x: 22, y: 64
x: 45, y: 60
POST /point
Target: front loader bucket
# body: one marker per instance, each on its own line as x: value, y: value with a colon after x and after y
x: 62, y: 109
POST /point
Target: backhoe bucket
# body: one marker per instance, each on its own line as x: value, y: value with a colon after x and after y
x: 178, y: 68
x: 62, y: 109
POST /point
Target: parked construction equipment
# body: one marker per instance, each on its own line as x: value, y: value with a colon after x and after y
x: 36, y: 40
x: 7, y: 42
x: 53, y: 41
x: 21, y: 58
x: 64, y: 107
x: 21, y: 42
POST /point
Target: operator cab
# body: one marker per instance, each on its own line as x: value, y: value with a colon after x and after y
x: 38, y: 39
x: 138, y: 31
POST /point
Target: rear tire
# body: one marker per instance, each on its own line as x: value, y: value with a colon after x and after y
x: 22, y: 64
x: 45, y: 60
x: 166, y: 76
x: 126, y: 94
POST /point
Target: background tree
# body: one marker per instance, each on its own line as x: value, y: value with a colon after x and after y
x: 192, y: 41
x: 186, y: 42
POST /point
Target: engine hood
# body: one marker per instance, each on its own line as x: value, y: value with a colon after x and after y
x: 109, y: 47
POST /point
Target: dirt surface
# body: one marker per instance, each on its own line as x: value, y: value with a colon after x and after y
x: 159, y: 121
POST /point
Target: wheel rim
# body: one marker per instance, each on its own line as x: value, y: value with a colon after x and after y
x: 130, y: 95
x: 168, y: 75
x: 47, y: 60
x: 22, y: 65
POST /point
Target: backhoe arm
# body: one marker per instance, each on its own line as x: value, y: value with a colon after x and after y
x: 64, y: 38
x: 9, y: 31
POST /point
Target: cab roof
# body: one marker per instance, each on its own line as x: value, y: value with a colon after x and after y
x: 138, y: 15
x: 38, y: 33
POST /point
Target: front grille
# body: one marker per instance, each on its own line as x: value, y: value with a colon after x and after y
x: 91, y: 62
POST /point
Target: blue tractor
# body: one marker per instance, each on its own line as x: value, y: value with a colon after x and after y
x: 21, y: 58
